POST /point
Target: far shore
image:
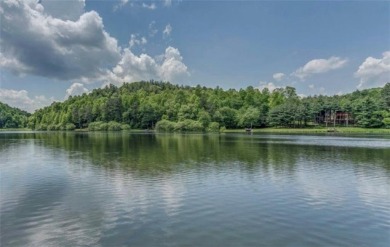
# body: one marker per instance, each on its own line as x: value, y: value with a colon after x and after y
x: 317, y: 130
x: 345, y: 130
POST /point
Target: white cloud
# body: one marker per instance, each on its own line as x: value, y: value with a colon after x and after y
x: 311, y: 86
x: 35, y: 42
x: 121, y: 4
x: 75, y: 89
x: 135, y: 40
x: 374, y: 72
x: 278, y: 76
x: 152, y: 29
x: 173, y: 67
x: 144, y: 67
x: 22, y: 100
x: 152, y: 6
x: 270, y: 85
x: 167, y: 3
x: 317, y: 66
x: 167, y: 31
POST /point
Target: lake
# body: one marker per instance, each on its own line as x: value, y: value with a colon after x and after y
x: 146, y: 189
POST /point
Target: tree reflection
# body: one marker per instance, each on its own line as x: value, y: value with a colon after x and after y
x: 152, y: 154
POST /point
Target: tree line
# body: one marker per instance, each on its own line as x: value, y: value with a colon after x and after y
x: 11, y: 117
x: 169, y: 107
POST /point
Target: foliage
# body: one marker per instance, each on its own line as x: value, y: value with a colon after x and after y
x: 167, y: 107
x: 165, y: 125
x: 70, y: 126
x: 213, y: 127
x: 12, y: 117
x: 189, y: 125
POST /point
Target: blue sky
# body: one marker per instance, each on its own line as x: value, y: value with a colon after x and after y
x: 51, y: 49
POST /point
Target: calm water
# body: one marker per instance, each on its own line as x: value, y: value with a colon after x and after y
x: 123, y: 189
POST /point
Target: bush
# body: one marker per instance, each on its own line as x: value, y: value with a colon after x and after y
x: 213, y: 127
x: 386, y: 122
x: 189, y: 125
x: 111, y: 126
x: 97, y: 126
x: 185, y: 125
x: 165, y: 125
x: 70, y: 126
x: 125, y: 126
x: 51, y: 127
x: 42, y: 127
x: 114, y: 126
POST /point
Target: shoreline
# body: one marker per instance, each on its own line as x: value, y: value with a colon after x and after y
x: 337, y: 130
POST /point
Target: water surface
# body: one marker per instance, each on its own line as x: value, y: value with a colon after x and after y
x: 124, y: 189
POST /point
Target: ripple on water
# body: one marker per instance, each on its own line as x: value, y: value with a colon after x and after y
x: 314, y: 191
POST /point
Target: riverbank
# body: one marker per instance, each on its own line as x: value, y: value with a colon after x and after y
x: 346, y: 130
x: 16, y: 129
x: 342, y: 130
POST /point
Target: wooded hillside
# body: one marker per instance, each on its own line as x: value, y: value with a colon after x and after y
x: 149, y: 105
x: 12, y: 117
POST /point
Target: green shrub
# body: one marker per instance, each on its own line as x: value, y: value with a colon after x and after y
x: 188, y: 125
x: 125, y: 126
x: 213, y: 127
x: 42, y: 127
x: 97, y: 126
x: 386, y: 122
x: 165, y: 125
x: 114, y: 126
x: 111, y: 126
x: 70, y: 126
x: 52, y: 127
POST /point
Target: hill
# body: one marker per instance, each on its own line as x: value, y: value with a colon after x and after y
x: 12, y: 117
x: 147, y: 105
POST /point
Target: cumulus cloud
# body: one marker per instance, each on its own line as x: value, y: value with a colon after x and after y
x: 167, y: 31
x: 36, y: 39
x: 173, y: 66
x: 317, y: 66
x: 270, y: 85
x: 42, y: 43
x: 278, y: 76
x: 144, y: 67
x: 22, y: 100
x: 151, y: 6
x: 374, y: 72
x: 136, y: 40
x: 76, y: 89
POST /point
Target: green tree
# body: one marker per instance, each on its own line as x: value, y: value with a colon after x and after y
x: 249, y: 118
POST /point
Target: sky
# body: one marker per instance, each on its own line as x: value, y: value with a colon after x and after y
x: 51, y: 49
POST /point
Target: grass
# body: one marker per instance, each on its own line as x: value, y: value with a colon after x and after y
x: 310, y: 130
x: 15, y: 129
x: 346, y: 130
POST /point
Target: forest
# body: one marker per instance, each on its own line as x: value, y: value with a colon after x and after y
x: 11, y: 117
x: 167, y: 107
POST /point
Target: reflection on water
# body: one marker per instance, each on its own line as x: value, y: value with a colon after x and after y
x: 126, y: 189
